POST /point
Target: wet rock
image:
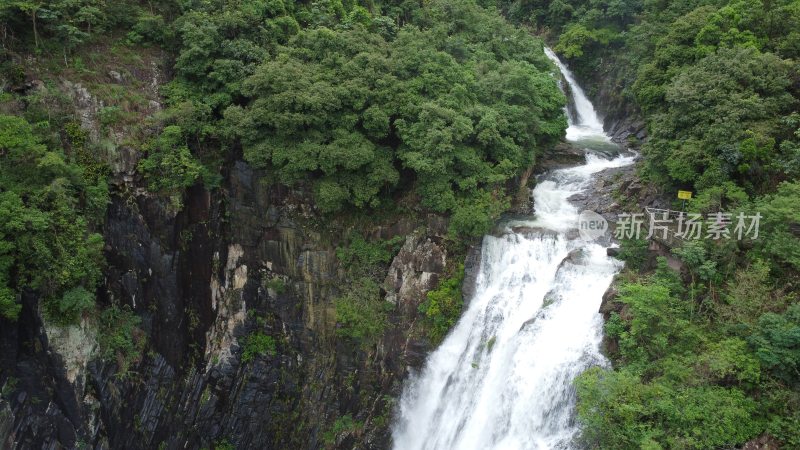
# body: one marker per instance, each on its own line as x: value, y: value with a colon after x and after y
x: 528, y: 323
x: 607, y: 305
x: 522, y: 201
x: 550, y: 298
x: 613, y: 251
x: 533, y: 231
x: 472, y: 267
x: 415, y: 352
x: 581, y: 198
x: 576, y: 257
x: 562, y: 155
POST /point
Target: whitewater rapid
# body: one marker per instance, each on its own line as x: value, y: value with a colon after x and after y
x: 502, y: 378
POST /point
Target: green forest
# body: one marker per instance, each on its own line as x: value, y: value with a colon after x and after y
x: 443, y: 104
x: 371, y: 106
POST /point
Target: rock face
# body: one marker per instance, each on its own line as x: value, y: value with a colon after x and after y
x: 607, y: 306
x: 472, y: 267
x: 414, y: 271
x: 202, y: 280
x: 621, y: 118
x: 249, y: 256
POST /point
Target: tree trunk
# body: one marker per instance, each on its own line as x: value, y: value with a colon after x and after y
x: 35, y: 31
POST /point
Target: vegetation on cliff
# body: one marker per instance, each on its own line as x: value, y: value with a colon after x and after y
x: 361, y: 104
x: 49, y: 207
x: 457, y: 109
x: 443, y: 305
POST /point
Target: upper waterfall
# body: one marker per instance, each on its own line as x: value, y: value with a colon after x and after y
x: 587, y: 123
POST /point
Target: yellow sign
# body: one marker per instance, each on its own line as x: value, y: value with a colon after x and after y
x: 684, y: 195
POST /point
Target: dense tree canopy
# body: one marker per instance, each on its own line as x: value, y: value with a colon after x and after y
x: 456, y: 113
x: 444, y: 101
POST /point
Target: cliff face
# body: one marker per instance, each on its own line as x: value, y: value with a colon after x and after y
x: 248, y: 257
x: 202, y: 280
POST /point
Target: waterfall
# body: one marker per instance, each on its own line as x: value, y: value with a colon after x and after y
x: 502, y: 378
x: 586, y: 122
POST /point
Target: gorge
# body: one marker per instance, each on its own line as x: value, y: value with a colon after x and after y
x: 353, y: 224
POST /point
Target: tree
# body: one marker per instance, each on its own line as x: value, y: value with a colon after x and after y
x: 777, y: 343
x: 32, y: 9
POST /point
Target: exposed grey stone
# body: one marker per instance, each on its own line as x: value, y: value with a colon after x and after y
x: 115, y: 76
x: 414, y: 271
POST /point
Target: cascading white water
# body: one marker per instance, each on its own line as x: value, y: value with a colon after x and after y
x: 502, y: 378
x: 588, y: 123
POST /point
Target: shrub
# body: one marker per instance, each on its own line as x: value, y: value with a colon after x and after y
x: 475, y: 216
x: 170, y: 165
x: 258, y: 344
x: 344, y: 424
x: 634, y: 252
x: 442, y: 306
x: 361, y: 313
x: 49, y: 205
x: 110, y: 115
x: 119, y: 337
x: 777, y: 343
x: 361, y: 255
x: 9, y: 308
x: 277, y: 285
x: 619, y: 410
x: 71, y: 306
x: 778, y: 238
